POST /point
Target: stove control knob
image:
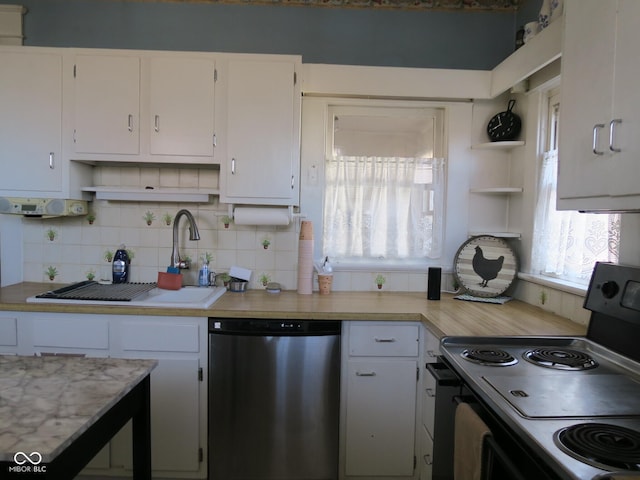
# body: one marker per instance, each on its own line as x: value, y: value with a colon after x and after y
x: 610, y: 289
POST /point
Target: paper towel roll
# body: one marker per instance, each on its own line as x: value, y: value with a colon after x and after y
x: 261, y: 216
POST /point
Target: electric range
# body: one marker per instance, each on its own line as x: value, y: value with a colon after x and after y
x: 573, y: 403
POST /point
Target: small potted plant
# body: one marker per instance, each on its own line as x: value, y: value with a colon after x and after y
x: 91, y: 274
x: 380, y: 281
x: 265, y: 243
x: 167, y: 218
x: 226, y: 220
x: 108, y: 256
x: 226, y: 278
x: 91, y: 218
x: 207, y: 257
x: 51, y: 272
x: 52, y: 234
x: 543, y: 297
x: 149, y: 217
x: 265, y: 279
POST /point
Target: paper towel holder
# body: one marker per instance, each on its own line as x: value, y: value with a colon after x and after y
x: 292, y: 215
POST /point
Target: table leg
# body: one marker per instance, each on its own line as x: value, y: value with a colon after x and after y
x: 141, y: 432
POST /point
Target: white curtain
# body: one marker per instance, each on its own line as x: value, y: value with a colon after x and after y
x: 567, y: 244
x: 383, y: 207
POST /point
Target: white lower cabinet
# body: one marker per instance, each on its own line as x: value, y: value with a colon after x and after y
x: 426, y: 457
x: 178, y: 383
x: 178, y: 434
x: 380, y: 400
x: 8, y: 333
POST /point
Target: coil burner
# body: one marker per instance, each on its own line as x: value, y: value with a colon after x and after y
x: 601, y: 445
x: 489, y: 356
x: 560, y: 359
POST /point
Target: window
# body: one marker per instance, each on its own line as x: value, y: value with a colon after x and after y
x: 567, y: 244
x: 384, y: 184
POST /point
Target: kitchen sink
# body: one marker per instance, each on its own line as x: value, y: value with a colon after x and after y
x: 134, y: 295
x: 188, y: 297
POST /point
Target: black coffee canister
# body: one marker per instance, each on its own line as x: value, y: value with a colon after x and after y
x: 434, y: 276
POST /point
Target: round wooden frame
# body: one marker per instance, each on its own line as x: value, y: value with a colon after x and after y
x: 486, y: 276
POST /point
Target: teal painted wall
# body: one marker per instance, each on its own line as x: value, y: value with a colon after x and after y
x: 401, y: 38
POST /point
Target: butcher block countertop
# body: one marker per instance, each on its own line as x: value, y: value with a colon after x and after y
x: 443, y: 317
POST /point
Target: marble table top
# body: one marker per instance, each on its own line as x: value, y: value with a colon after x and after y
x: 47, y: 402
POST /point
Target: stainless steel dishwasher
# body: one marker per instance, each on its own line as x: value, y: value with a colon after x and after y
x: 274, y: 389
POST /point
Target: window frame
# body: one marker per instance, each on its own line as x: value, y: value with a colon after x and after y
x: 401, y: 109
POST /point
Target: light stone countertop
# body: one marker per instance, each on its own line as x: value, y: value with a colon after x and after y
x: 442, y: 317
x: 48, y: 402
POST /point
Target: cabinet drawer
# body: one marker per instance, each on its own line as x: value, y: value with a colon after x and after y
x: 429, y: 402
x: 384, y: 340
x: 156, y: 336
x: 71, y: 333
x: 8, y: 331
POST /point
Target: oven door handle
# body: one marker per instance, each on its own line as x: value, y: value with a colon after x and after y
x: 491, y: 453
x: 445, y: 377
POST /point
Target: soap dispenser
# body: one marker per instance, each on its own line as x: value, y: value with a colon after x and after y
x: 121, y: 265
x: 203, y: 275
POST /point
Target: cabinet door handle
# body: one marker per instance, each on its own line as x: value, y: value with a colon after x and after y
x: 427, y: 459
x: 612, y: 134
x: 292, y: 182
x: 365, y: 374
x: 430, y: 392
x: 156, y: 124
x: 52, y: 158
x: 130, y: 123
x: 594, y: 146
x: 215, y: 140
x: 432, y: 354
x: 233, y: 166
x: 385, y: 340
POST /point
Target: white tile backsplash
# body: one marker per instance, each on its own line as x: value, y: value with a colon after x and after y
x: 79, y: 247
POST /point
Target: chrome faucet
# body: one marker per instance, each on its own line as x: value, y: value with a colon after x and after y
x: 194, y: 234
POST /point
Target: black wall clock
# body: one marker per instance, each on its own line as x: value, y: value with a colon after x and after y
x: 505, y: 125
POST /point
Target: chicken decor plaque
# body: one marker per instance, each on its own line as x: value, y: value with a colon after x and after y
x: 485, y: 266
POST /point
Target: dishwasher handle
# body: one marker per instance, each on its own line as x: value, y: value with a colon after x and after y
x: 264, y: 327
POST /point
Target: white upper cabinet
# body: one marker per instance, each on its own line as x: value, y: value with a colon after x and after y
x: 144, y: 107
x: 262, y: 120
x: 182, y: 106
x: 107, y: 104
x: 31, y: 123
x: 600, y: 107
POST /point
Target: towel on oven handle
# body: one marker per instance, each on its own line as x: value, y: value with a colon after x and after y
x: 469, y: 435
